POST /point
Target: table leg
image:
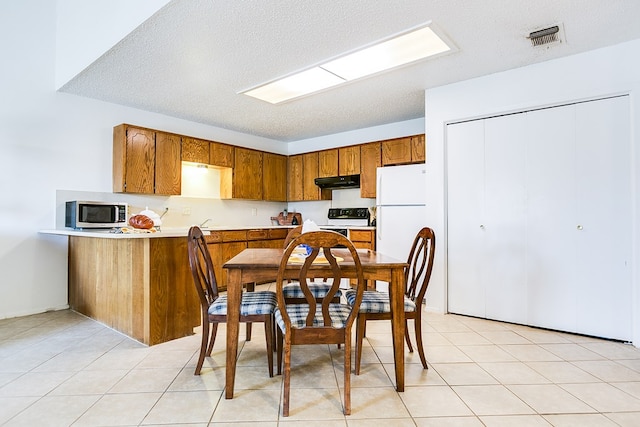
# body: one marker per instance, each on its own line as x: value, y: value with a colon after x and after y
x: 234, y: 295
x: 396, y: 296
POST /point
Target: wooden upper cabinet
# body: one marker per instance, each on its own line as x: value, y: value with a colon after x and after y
x: 418, y: 148
x: 195, y: 150
x: 370, y: 161
x: 310, y: 191
x: 294, y: 178
x: 401, y: 151
x: 274, y: 177
x: 328, y: 163
x: 221, y: 154
x: 349, y: 160
x: 247, y: 174
x: 168, y: 169
x: 145, y: 161
x: 396, y: 151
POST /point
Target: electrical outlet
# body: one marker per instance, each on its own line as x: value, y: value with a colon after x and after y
x: 254, y: 211
x: 186, y: 211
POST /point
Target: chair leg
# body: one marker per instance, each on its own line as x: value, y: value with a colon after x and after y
x: 347, y: 374
x: 418, y: 329
x: 279, y: 347
x: 360, y: 325
x: 268, y: 332
x: 248, y: 333
x: 212, y: 339
x: 203, y: 346
x: 286, y: 380
x: 406, y: 335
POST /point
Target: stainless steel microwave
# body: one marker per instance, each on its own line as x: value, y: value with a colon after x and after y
x: 81, y: 214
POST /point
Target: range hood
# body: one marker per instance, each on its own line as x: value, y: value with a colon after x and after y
x: 337, y: 182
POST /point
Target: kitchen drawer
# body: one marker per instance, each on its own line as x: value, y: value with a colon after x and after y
x: 361, y: 235
x: 258, y: 234
x: 279, y: 233
x: 213, y: 237
x: 226, y: 236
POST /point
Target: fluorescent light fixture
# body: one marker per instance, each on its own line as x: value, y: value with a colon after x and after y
x: 404, y: 49
x: 296, y: 85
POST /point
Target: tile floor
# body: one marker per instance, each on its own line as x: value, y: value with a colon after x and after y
x: 62, y: 369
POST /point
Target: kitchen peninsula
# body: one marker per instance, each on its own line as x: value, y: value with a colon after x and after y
x: 137, y: 284
x: 140, y: 284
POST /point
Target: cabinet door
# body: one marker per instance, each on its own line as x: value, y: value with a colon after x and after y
x: 396, y: 151
x: 349, y: 160
x: 140, y: 161
x: 465, y: 228
x: 310, y: 190
x: 247, y: 174
x: 370, y: 161
x: 418, y: 149
x: 274, y: 177
x: 328, y: 163
x: 221, y: 155
x: 221, y: 253
x: 195, y: 150
x: 294, y: 178
x: 604, y: 220
x: 168, y: 168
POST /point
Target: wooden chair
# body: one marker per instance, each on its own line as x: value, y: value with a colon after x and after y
x: 292, y: 290
x: 376, y: 306
x: 255, y: 307
x: 318, y: 320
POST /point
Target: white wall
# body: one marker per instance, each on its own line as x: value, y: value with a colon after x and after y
x: 51, y: 141
x: 598, y: 73
x: 56, y: 146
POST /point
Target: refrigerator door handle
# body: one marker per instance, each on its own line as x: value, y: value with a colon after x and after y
x: 379, y: 223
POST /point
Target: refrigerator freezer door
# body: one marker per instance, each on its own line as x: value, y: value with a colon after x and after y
x: 401, y: 185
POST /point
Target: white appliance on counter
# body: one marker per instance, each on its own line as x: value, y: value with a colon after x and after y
x: 400, y: 208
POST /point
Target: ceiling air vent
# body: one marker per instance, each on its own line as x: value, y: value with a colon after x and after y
x: 545, y: 36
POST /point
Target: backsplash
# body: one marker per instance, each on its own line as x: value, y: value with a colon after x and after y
x: 186, y: 211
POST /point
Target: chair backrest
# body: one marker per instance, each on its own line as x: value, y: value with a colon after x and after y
x: 328, y: 248
x: 293, y: 233
x: 202, y: 268
x: 420, y: 262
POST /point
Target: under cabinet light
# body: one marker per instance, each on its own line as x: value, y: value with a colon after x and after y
x: 404, y: 49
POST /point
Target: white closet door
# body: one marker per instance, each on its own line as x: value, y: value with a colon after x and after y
x: 505, y: 207
x: 551, y: 213
x: 465, y: 193
x: 603, y: 221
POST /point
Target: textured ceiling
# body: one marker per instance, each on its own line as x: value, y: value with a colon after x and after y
x: 192, y: 57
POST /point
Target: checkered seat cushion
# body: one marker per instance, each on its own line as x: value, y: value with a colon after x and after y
x: 298, y: 315
x: 377, y: 302
x: 260, y: 302
x: 318, y: 289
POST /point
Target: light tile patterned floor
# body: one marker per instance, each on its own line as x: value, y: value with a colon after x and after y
x: 62, y: 369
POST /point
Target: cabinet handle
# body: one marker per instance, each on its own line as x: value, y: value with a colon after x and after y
x: 482, y: 226
x: 579, y: 227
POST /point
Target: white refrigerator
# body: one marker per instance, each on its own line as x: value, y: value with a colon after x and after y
x: 400, y: 208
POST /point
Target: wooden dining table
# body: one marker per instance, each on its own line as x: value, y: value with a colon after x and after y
x: 261, y: 265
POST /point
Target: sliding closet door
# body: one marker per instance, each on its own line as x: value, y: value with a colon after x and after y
x: 466, y: 265
x: 603, y: 223
x: 551, y: 217
x: 504, y: 219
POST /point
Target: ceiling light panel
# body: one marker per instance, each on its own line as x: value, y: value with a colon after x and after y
x: 299, y: 84
x: 398, y: 51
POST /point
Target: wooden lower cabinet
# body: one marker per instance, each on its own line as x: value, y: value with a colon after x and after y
x: 224, y: 245
x: 141, y: 287
x: 363, y: 239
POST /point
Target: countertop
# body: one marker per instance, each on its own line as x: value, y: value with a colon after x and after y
x: 171, y: 232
